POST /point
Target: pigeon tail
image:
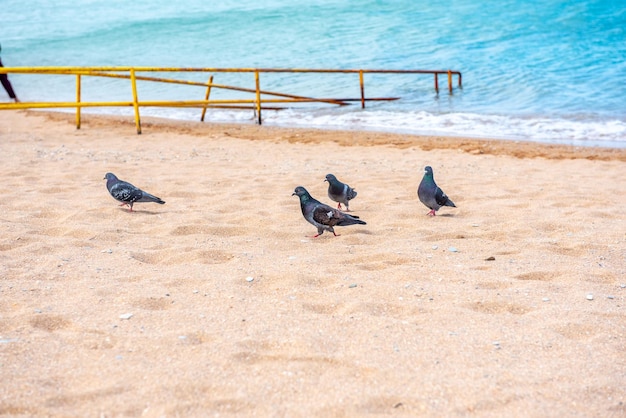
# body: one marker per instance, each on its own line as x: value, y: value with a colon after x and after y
x: 349, y: 220
x: 147, y: 197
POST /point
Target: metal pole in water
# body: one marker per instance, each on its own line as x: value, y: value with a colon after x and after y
x: 77, y: 101
x: 133, y: 81
x: 362, y: 89
x: 258, y: 95
x: 206, y: 97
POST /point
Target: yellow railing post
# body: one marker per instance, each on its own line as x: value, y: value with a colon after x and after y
x: 206, y: 97
x: 362, y: 89
x: 450, y: 81
x: 258, y: 95
x: 133, y: 81
x: 77, y: 101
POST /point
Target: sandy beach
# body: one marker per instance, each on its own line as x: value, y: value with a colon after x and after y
x: 219, y: 303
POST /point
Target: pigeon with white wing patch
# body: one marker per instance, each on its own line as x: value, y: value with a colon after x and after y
x: 322, y: 216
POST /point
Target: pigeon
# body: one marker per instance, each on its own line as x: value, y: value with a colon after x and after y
x: 339, y: 192
x: 430, y: 194
x: 323, y: 216
x: 127, y: 193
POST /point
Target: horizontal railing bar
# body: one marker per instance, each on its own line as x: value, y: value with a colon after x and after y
x: 83, y: 70
x: 189, y: 103
x: 368, y: 99
x: 244, y: 107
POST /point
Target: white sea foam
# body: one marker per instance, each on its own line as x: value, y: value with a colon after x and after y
x: 581, y: 132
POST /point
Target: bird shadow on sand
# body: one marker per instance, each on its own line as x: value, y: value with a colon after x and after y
x: 141, y: 211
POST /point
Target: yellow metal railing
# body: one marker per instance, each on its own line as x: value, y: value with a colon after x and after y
x: 256, y: 103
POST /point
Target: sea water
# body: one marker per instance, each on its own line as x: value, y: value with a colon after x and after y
x: 549, y: 71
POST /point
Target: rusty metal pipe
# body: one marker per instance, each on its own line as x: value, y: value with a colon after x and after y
x: 206, y: 97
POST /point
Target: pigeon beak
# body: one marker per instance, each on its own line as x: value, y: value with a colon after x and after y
x: 293, y: 194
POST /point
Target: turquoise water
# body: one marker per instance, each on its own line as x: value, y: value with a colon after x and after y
x: 545, y: 71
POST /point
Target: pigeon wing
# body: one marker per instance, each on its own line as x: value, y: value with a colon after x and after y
x: 442, y: 199
x: 350, y: 193
x: 125, y: 192
x: 325, y: 215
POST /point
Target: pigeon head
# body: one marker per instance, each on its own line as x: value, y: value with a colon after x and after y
x: 330, y: 178
x: 428, y: 170
x: 111, y: 180
x: 110, y: 176
x: 302, y: 193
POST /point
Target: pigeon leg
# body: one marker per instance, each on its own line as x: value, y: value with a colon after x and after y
x: 432, y: 212
x: 339, y: 206
x: 126, y: 204
x: 315, y: 236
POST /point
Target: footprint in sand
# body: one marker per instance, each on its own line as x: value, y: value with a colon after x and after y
x: 49, y: 322
x: 499, y: 307
x: 544, y: 276
x: 183, y: 256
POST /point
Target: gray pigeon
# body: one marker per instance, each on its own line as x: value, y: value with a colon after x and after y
x: 127, y: 193
x: 322, y: 216
x: 430, y: 194
x: 339, y: 192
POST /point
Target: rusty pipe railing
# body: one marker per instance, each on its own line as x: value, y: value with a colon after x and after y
x: 256, y: 103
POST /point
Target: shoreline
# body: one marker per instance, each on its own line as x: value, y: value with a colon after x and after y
x: 515, y: 148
